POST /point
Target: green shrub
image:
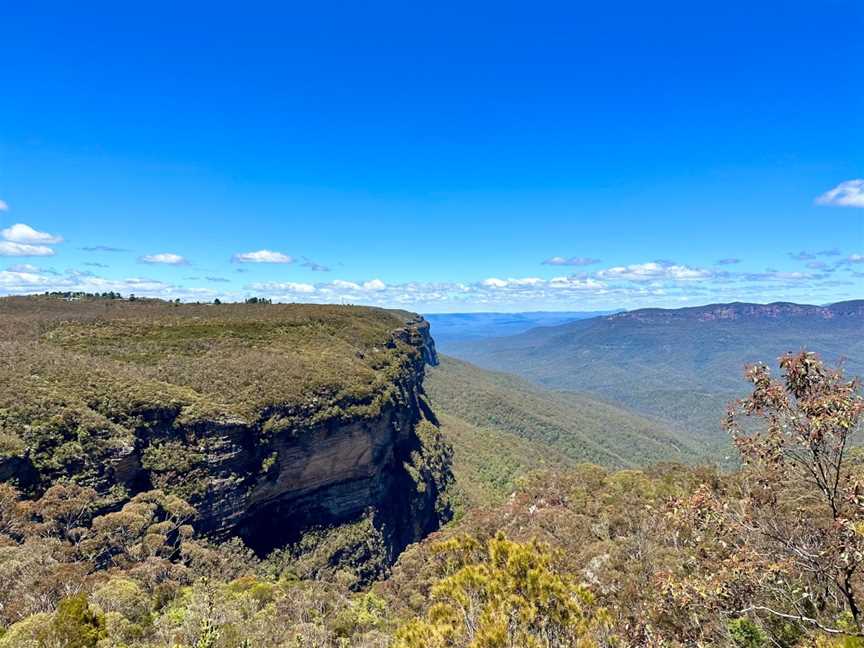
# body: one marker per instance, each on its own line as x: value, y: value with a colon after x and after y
x: 75, y: 625
x: 746, y: 634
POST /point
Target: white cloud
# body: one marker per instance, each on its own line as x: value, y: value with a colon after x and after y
x: 20, y: 280
x: 27, y: 279
x: 630, y: 286
x: 571, y: 261
x: 685, y: 273
x: 262, y: 256
x: 165, y: 258
x: 847, y: 194
x: 494, y: 282
x: 346, y: 285
x: 23, y: 267
x: 21, y: 233
x: 4, y: 206
x: 8, y: 248
x: 576, y: 283
x: 373, y: 285
x: 283, y: 287
x: 776, y: 275
x: 536, y: 283
x: 655, y: 283
x: 654, y: 270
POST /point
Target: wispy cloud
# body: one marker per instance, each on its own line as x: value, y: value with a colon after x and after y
x: 805, y: 255
x: 95, y: 264
x: 21, y: 233
x: 282, y: 287
x: 771, y: 274
x: 164, y: 258
x: 727, y: 261
x: 12, y: 249
x: 217, y: 279
x: 262, y: 256
x: 847, y: 194
x: 314, y: 267
x: 23, y: 267
x: 4, y: 206
x: 570, y: 261
x: 102, y: 248
x: 818, y: 265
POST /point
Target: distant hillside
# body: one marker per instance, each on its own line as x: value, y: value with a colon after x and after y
x: 501, y: 427
x: 450, y: 328
x: 488, y: 462
x: 680, y: 365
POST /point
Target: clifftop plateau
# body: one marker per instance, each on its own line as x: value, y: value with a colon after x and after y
x: 269, y: 419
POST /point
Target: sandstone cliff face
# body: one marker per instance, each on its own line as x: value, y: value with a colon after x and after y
x: 296, y: 467
x: 270, y: 486
x: 269, y: 489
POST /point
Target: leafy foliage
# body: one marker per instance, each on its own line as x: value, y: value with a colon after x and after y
x: 502, y: 594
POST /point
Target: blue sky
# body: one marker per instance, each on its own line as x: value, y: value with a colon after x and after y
x: 433, y: 157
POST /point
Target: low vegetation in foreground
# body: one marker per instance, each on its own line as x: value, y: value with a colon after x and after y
x: 770, y: 555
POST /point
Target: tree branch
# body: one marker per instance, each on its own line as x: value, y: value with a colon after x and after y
x: 801, y: 619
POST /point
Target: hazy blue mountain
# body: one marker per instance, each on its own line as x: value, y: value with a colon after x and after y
x: 680, y: 365
x: 448, y: 328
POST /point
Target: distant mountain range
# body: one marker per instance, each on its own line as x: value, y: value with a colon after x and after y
x: 681, y: 366
x: 455, y: 327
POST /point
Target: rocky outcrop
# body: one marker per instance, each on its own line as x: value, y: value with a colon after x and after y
x: 296, y: 467
x: 270, y: 488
